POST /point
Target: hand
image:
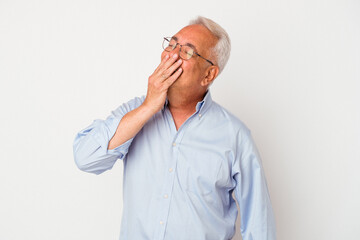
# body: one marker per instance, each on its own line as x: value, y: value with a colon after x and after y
x: 159, y: 82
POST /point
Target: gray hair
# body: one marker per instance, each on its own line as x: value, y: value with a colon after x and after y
x: 221, y: 51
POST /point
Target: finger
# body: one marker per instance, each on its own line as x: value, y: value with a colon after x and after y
x: 163, y: 60
x: 170, y: 61
x: 164, y: 65
x: 173, y: 78
x: 166, y: 74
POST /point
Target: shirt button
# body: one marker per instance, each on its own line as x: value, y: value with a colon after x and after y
x: 165, y: 196
x: 170, y: 169
x: 161, y: 222
x: 200, y: 115
x: 174, y: 144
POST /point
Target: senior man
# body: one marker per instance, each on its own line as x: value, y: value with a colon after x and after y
x: 184, y: 155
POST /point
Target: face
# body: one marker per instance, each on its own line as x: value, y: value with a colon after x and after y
x: 195, y: 69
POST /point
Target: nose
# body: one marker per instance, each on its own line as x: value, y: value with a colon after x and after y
x: 176, y: 50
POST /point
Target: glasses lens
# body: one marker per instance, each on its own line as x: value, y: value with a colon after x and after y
x: 165, y: 44
x: 169, y: 44
x: 186, y: 52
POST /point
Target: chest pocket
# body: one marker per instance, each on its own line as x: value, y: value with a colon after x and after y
x: 202, y: 172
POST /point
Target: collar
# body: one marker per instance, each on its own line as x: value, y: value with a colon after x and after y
x: 165, y: 104
x: 201, y: 106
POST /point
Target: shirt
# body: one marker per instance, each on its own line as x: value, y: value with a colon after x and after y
x: 178, y: 184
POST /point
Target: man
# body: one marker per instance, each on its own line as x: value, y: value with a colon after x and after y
x: 183, y: 154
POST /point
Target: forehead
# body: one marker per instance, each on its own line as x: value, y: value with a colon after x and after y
x: 197, y: 35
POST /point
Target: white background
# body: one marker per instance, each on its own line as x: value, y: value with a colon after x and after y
x: 293, y: 78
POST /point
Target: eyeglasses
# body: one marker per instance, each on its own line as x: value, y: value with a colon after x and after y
x: 186, y: 52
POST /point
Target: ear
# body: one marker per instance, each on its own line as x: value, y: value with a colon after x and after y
x: 210, y: 75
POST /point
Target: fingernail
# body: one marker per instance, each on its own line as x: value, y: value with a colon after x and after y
x: 180, y: 69
x: 179, y: 61
x: 175, y: 55
x: 167, y: 56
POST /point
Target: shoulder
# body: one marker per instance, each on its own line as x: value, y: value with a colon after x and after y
x: 136, y: 101
x: 234, y: 125
x: 128, y: 106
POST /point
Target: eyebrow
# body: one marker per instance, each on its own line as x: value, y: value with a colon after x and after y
x: 186, y: 44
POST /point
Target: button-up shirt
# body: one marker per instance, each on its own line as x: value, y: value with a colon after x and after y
x: 178, y: 184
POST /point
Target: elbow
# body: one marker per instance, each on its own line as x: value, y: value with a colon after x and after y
x: 88, y: 153
x: 94, y: 161
x: 80, y: 161
x: 79, y: 153
x: 84, y: 165
x: 90, y: 157
x: 82, y: 157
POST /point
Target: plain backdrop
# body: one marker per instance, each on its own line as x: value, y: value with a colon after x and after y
x: 293, y: 78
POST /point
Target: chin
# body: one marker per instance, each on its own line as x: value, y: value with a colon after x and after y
x: 175, y: 89
x: 177, y: 82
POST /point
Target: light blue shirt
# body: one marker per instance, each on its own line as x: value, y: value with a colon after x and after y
x: 178, y: 184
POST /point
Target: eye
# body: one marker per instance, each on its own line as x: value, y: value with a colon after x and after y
x: 189, y: 52
x: 172, y: 44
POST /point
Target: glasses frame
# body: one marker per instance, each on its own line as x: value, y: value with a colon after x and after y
x: 168, y: 40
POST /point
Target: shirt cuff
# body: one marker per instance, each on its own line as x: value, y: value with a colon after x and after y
x: 103, y: 133
x: 121, y: 150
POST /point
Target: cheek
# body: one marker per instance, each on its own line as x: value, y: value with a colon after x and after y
x: 187, y: 67
x: 190, y: 68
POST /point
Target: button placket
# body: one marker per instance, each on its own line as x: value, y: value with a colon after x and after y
x: 167, y: 189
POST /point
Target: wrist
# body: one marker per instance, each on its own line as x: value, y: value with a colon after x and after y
x: 148, y: 109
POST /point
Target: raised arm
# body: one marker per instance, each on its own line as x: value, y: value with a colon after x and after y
x: 97, y: 147
x: 90, y: 147
x: 158, y: 84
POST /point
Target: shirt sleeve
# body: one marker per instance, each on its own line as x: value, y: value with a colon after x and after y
x: 91, y: 153
x: 251, y: 192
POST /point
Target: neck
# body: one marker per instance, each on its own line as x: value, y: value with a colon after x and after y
x: 184, y: 103
x: 182, y: 106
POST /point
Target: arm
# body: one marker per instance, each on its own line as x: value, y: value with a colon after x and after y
x: 97, y: 147
x: 158, y: 85
x: 130, y: 125
x: 251, y: 192
x: 90, y: 147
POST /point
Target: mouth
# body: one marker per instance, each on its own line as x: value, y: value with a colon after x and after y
x: 176, y: 71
